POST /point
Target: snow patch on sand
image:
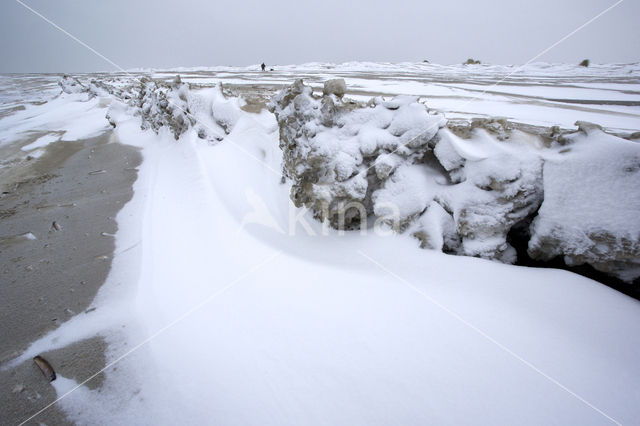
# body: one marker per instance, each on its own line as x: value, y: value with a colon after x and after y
x: 41, y: 142
x: 72, y: 115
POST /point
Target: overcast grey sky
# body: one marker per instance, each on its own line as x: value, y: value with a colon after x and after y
x: 163, y: 33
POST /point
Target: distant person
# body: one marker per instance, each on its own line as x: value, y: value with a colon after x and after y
x: 263, y: 66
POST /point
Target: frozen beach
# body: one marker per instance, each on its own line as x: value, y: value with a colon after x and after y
x: 180, y: 273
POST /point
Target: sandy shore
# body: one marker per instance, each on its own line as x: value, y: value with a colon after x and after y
x: 50, y: 272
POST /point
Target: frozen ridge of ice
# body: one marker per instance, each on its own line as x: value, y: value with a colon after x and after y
x: 459, y: 187
x: 462, y: 189
x: 165, y: 105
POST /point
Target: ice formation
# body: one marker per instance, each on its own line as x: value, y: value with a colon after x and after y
x: 457, y: 186
x: 165, y: 105
x: 176, y: 107
x: 591, y: 209
x: 462, y: 188
x: 338, y: 155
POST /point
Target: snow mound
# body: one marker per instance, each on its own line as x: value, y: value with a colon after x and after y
x: 337, y: 153
x: 590, y: 212
x: 71, y: 85
x: 496, y: 188
x: 169, y: 105
x: 337, y: 87
x: 462, y: 189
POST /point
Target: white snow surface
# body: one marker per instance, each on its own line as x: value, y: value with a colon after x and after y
x: 579, y: 187
x: 41, y: 142
x: 591, y: 199
x: 226, y: 305
x: 72, y: 115
x: 538, y: 93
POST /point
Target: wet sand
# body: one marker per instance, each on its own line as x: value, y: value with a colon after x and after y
x: 80, y: 186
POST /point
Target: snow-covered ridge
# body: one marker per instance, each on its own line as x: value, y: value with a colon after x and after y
x: 164, y: 105
x: 462, y: 189
x: 459, y: 186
